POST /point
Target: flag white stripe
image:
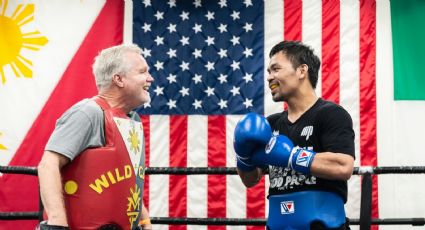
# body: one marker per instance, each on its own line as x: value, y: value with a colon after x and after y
x: 197, y: 134
x: 312, y: 31
x: 349, y: 88
x: 128, y: 22
x: 197, y: 156
x: 159, y: 157
x: 236, y: 191
x: 385, y: 120
x: 236, y: 199
x: 197, y: 198
x: 386, y: 107
x: 273, y: 33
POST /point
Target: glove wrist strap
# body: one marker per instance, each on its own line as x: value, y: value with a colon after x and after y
x: 300, y: 160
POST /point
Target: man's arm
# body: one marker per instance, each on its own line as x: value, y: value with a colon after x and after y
x: 145, y: 222
x: 51, y: 187
x: 250, y: 178
x: 332, y: 166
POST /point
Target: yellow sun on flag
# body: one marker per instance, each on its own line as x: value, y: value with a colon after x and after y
x: 2, y: 147
x: 12, y: 40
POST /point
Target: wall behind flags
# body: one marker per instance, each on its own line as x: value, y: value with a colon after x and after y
x: 48, y: 48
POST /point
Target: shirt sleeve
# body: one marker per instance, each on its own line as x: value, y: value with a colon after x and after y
x: 337, y: 134
x: 75, y: 131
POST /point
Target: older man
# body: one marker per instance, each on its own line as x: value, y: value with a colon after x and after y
x: 92, y: 171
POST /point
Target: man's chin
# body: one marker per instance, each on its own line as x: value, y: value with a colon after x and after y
x: 143, y: 102
x: 276, y: 98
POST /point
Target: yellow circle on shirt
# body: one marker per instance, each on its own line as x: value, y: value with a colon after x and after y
x: 71, y: 187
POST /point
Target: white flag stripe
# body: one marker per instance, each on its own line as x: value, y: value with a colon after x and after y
x: 236, y: 197
x: 197, y: 196
x: 159, y: 157
x: 159, y: 141
x: 231, y: 122
x: 273, y: 33
x: 349, y: 89
x: 236, y: 191
x: 197, y: 156
x: 386, y: 108
x: 197, y: 134
x: 312, y: 31
x: 158, y: 197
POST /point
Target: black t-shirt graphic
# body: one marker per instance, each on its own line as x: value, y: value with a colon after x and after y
x: 325, y: 127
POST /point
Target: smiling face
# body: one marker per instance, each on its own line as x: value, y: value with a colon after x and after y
x: 137, y: 80
x: 283, y: 77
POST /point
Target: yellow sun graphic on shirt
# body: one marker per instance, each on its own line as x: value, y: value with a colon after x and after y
x: 134, y: 140
x: 12, y: 40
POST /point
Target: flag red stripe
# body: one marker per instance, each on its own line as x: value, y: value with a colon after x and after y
x: 330, y: 50
x: 178, y: 158
x: 146, y: 131
x: 19, y: 192
x: 292, y: 23
x: 368, y: 142
x: 216, y: 158
x: 292, y: 20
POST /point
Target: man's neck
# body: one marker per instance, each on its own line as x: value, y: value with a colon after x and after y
x: 300, y: 103
x: 115, y: 101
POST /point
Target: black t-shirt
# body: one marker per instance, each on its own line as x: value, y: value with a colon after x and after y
x: 325, y: 127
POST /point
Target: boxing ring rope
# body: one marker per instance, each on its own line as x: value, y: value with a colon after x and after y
x: 365, y: 220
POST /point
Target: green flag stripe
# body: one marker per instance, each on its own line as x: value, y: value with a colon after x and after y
x: 408, y: 34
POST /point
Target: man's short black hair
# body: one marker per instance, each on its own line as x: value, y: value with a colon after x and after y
x: 299, y: 54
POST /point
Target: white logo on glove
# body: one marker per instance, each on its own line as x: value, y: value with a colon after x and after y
x: 271, y: 144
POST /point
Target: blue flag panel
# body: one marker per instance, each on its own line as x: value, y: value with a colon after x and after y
x: 206, y: 56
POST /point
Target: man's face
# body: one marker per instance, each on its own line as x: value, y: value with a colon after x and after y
x: 283, y: 78
x: 137, y: 80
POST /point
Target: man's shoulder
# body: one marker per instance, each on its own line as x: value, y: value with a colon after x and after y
x: 85, y: 107
x: 328, y: 110
x: 328, y: 106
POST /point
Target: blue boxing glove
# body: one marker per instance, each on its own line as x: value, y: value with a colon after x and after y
x: 280, y: 151
x: 252, y: 132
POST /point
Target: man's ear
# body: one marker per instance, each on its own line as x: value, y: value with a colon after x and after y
x: 117, y: 80
x: 303, y: 68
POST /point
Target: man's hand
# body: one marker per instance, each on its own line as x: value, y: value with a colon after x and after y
x: 251, y: 133
x: 280, y: 151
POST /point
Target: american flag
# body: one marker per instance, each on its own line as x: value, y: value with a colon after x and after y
x: 208, y: 59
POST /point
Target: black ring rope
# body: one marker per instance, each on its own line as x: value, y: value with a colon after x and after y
x: 262, y: 221
x: 222, y: 221
x: 229, y: 170
x: 365, y: 214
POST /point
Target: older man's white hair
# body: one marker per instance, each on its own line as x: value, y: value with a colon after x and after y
x: 112, y: 61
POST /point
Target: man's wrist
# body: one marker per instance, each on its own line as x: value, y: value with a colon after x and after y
x: 145, y: 224
x: 301, y: 159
